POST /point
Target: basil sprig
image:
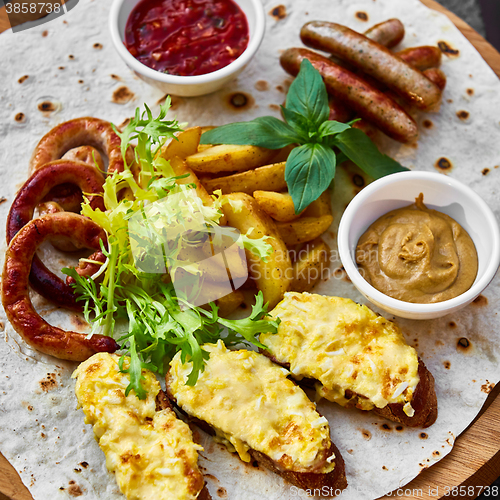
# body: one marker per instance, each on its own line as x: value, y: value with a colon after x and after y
x: 310, y: 167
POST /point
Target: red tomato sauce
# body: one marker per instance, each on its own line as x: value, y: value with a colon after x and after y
x: 186, y: 37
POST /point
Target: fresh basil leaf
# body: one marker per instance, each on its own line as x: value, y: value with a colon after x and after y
x: 331, y: 127
x: 309, y: 170
x: 356, y: 145
x: 266, y: 132
x: 307, y: 95
x: 303, y: 127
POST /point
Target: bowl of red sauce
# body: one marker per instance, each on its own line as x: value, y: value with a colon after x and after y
x: 187, y: 47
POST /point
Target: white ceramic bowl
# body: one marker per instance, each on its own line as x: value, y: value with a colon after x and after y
x: 440, y: 193
x: 188, y: 86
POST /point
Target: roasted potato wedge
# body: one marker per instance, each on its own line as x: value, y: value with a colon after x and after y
x: 278, y: 205
x: 303, y: 229
x: 230, y: 302
x: 321, y: 206
x: 185, y: 144
x: 269, y: 177
x: 272, y: 277
x: 230, y: 158
x: 180, y: 168
x: 311, y: 262
x: 204, y: 147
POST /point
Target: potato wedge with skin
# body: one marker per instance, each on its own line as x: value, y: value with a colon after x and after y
x: 230, y: 302
x: 320, y: 206
x: 180, y: 168
x: 272, y: 277
x: 277, y: 205
x: 303, y: 229
x: 230, y: 158
x: 309, y: 268
x: 185, y: 144
x: 204, y: 147
x: 270, y: 177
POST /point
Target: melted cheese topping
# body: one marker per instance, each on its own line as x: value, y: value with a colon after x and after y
x: 251, y: 404
x: 151, y: 453
x: 346, y: 347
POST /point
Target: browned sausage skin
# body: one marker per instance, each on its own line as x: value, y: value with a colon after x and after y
x: 363, y: 98
x: 373, y: 59
x: 15, y: 297
x: 436, y: 76
x: 84, y: 131
x: 388, y: 33
x: 68, y: 196
x: 421, y: 58
x: 89, y: 180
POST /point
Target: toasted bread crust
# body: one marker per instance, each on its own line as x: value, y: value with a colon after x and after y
x: 336, y: 480
x: 162, y: 403
x: 424, y: 400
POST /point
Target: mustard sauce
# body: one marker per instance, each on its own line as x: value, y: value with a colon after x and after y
x: 417, y: 255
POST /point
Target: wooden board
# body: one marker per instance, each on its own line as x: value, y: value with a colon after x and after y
x: 474, y: 461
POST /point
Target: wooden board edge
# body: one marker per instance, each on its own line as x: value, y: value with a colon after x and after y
x: 487, y: 51
x: 483, y: 431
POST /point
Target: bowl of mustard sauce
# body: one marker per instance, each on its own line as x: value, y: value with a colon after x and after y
x: 419, y: 245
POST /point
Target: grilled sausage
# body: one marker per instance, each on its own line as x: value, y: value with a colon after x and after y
x: 89, y: 180
x: 68, y: 196
x: 436, y: 76
x: 15, y: 296
x: 366, y: 100
x: 373, y: 59
x: 421, y: 58
x: 84, y: 131
x: 388, y: 33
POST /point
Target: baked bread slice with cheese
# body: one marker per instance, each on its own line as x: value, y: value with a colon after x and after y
x: 248, y: 403
x: 150, y: 451
x: 353, y: 356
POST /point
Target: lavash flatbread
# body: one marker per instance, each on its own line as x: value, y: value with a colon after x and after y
x: 74, y: 71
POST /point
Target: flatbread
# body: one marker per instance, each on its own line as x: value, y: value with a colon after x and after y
x: 72, y: 70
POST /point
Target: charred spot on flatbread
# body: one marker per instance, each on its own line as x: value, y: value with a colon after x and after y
x: 464, y: 344
x: 23, y: 78
x: 485, y: 171
x: 358, y: 180
x: 443, y: 164
x: 278, y: 12
x: 447, y: 49
x: 362, y: 16
x: 239, y: 101
x: 122, y: 95
x: 97, y: 46
x: 463, y: 115
x: 427, y: 124
x: 261, y: 85
x: 480, y: 300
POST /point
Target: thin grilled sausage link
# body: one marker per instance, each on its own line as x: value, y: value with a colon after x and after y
x: 373, y: 59
x: 366, y: 100
x: 388, y: 33
x: 15, y: 295
x: 90, y: 181
x: 421, y: 58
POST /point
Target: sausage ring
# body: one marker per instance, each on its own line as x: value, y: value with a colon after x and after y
x: 89, y: 180
x: 84, y: 131
x: 15, y: 297
x: 67, y: 195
